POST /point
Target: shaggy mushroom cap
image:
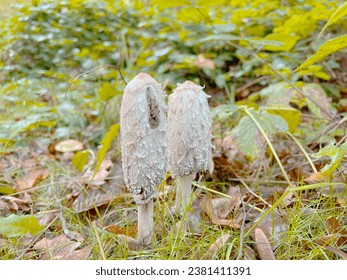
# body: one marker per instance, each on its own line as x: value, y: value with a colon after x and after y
x: 189, y: 130
x: 143, y: 132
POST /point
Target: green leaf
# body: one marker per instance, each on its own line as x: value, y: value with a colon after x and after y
x: 316, y: 95
x: 14, y: 225
x: 291, y: 115
x: 80, y: 159
x: 339, y: 13
x: 249, y: 138
x: 335, y: 153
x: 324, y: 50
x: 106, y: 145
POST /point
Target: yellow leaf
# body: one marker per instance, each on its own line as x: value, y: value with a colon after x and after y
x: 288, y: 42
x: 210, y: 3
x: 291, y: 115
x: 106, y: 145
x: 107, y: 91
x: 339, y: 13
x: 162, y: 5
x: 324, y: 50
x: 80, y: 159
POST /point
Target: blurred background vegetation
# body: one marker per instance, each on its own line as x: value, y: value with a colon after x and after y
x: 234, y: 49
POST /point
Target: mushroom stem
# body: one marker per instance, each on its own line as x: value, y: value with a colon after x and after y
x: 145, y: 223
x: 183, y: 193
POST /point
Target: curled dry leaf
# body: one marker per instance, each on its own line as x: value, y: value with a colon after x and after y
x: 263, y: 245
x: 101, y: 176
x: 69, y: 145
x: 219, y: 208
x: 216, y: 246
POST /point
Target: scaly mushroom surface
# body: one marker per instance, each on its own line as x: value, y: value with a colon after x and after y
x: 143, y: 146
x: 189, y: 138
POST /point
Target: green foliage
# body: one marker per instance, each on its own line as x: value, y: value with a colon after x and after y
x: 324, y: 50
x: 14, y: 225
x: 337, y: 15
x: 335, y: 153
x: 250, y: 140
x: 290, y: 115
x: 138, y: 38
x: 106, y: 145
x: 330, y: 46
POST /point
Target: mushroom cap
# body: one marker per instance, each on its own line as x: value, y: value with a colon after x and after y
x: 189, y: 130
x: 143, y: 133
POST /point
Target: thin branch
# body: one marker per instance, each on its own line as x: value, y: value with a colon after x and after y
x: 251, y: 83
x: 94, y: 69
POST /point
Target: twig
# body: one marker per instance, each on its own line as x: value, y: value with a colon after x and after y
x: 92, y: 70
x: 251, y: 83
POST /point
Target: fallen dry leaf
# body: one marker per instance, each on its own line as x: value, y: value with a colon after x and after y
x: 219, y: 208
x: 336, y: 251
x: 216, y: 246
x: 102, y: 174
x: 203, y: 62
x: 95, y: 197
x: 263, y: 245
x: 68, y: 145
x: 288, y: 199
x: 248, y: 253
x: 132, y: 244
x: 61, y: 248
x: 317, y: 178
x: 31, y: 177
x: 334, y: 227
x: 122, y: 230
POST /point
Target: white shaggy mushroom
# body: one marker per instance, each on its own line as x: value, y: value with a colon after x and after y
x: 143, y: 146
x: 189, y: 138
